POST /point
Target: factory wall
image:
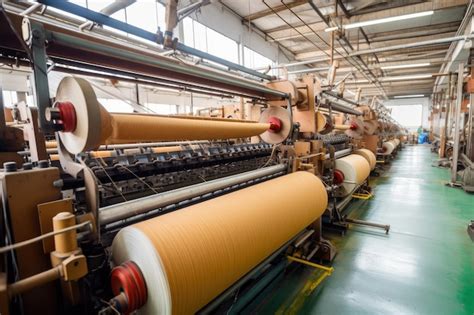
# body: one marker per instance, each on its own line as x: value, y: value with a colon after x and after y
x: 14, y: 81
x: 216, y: 16
x: 424, y: 101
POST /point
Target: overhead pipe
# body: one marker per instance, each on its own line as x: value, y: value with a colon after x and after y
x: 31, y: 9
x: 340, y: 153
x: 341, y: 108
x: 72, y: 41
x: 309, y: 70
x: 115, y: 6
x: 412, y: 45
x: 335, y: 95
x: 73, y: 23
x: 358, y: 63
x: 184, y: 12
x: 156, y: 38
x: 144, y: 78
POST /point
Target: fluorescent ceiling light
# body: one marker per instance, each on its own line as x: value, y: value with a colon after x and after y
x: 409, y: 96
x: 406, y: 77
x: 389, y: 19
x: 330, y: 29
x: 381, y: 21
x: 415, y: 65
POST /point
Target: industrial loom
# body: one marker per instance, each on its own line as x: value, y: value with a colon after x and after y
x: 106, y: 212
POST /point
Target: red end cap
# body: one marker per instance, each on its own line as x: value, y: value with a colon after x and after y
x: 354, y: 126
x: 68, y: 116
x: 338, y: 177
x: 275, y: 124
x: 128, y: 279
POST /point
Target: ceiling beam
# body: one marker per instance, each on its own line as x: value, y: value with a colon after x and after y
x: 279, y: 8
x: 454, y: 24
x: 411, y: 38
x: 317, y: 25
x: 374, y: 5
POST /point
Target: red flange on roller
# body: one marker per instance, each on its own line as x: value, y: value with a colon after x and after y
x: 67, y: 115
x: 128, y: 279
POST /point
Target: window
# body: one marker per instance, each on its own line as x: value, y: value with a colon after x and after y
x: 203, y: 38
x: 254, y: 60
x: 222, y: 46
x: 162, y: 109
x: 409, y: 116
x: 147, y: 15
x: 9, y: 98
x: 30, y: 100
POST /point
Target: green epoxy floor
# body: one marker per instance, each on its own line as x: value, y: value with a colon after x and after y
x: 424, y: 266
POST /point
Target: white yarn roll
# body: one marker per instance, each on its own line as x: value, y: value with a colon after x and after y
x: 369, y: 156
x: 356, y: 169
x: 131, y: 244
x: 388, y: 147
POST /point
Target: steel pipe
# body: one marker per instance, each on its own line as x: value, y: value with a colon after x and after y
x: 31, y: 9
x: 341, y: 108
x: 76, y: 42
x: 411, y: 45
x: 457, y: 114
x: 309, y: 70
x: 467, y: 160
x: 333, y: 94
x: 122, y: 26
x: 109, y: 10
x: 131, y: 208
x: 340, y: 153
x: 131, y: 146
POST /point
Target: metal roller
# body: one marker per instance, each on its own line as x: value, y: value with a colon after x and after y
x: 84, y: 124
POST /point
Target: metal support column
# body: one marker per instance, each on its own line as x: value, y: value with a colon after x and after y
x: 457, y: 112
x: 36, y: 38
x: 470, y: 129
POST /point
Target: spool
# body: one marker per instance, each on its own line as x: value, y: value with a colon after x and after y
x: 93, y: 125
x: 65, y: 242
x: 397, y: 142
x: 166, y: 149
x: 388, y: 147
x: 51, y: 144
x: 324, y: 123
x: 102, y: 154
x: 370, y: 127
x: 356, y: 128
x: 280, y: 124
x: 369, y: 156
x: 190, y: 256
x: 356, y: 169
